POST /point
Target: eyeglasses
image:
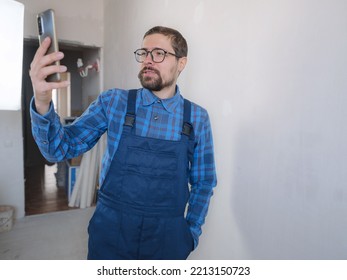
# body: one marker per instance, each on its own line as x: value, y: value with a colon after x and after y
x: 158, y: 55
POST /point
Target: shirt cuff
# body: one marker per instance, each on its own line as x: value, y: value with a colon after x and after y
x: 43, y: 119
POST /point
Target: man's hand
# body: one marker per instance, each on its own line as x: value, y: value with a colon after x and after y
x: 40, y: 68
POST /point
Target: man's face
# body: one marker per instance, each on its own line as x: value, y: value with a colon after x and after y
x: 158, y: 76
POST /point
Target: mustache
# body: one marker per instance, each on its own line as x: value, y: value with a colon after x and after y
x: 149, y: 68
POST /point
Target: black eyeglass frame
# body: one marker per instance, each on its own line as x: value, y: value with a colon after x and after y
x: 150, y: 52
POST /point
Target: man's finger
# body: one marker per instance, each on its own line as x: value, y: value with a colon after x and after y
x: 42, y: 50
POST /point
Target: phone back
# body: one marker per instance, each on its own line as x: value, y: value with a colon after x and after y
x: 46, y: 28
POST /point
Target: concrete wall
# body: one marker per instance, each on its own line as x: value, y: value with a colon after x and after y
x: 272, y: 75
x: 11, y: 161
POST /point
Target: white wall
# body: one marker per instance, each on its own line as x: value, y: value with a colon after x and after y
x: 77, y: 21
x: 272, y: 75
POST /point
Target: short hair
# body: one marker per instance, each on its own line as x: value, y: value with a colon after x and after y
x: 178, y: 43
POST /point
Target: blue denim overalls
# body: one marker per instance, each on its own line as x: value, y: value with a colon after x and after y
x: 141, y: 204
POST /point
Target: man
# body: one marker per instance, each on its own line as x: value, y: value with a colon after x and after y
x: 158, y: 142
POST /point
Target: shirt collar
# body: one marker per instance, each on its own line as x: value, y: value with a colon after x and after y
x: 149, y: 98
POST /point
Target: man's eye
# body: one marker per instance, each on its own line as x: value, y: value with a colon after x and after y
x: 159, y: 53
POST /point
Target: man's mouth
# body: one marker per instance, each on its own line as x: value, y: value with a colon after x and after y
x: 149, y: 71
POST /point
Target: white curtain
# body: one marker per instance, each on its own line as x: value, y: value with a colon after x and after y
x: 87, y: 179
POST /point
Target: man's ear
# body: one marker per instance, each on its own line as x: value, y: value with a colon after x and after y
x: 182, y: 64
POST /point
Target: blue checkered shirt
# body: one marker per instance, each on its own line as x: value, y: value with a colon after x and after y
x: 155, y: 118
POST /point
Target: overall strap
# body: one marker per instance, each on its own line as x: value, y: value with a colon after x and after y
x: 130, y: 115
x: 187, y: 128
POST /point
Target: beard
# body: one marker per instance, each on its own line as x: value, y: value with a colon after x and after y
x: 153, y: 83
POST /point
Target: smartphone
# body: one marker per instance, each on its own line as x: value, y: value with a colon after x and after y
x: 46, y: 28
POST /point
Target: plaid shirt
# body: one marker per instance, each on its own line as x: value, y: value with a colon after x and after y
x: 155, y: 118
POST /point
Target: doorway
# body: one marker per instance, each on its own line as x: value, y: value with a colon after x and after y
x: 45, y: 191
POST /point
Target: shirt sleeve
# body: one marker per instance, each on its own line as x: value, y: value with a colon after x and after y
x: 203, y: 176
x: 57, y: 142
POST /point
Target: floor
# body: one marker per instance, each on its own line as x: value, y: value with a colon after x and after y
x: 60, y: 235
x: 42, y: 193
x: 48, y: 231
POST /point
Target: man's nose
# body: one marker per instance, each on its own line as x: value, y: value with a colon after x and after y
x: 148, y: 58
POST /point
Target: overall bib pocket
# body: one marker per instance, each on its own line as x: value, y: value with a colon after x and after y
x: 149, y: 178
